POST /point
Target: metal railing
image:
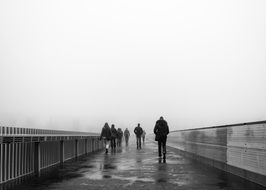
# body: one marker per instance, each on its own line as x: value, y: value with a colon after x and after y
x: 25, y: 151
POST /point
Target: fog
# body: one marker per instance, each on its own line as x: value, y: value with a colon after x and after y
x: 74, y: 65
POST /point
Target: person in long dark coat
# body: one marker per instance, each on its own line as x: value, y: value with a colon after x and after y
x: 113, y: 136
x: 119, y: 137
x: 106, y: 136
x: 161, y: 130
x: 138, y: 131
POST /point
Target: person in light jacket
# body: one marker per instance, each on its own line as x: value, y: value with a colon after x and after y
x: 126, y: 135
x: 143, y: 136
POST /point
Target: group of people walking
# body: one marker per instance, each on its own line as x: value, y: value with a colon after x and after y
x: 114, y: 136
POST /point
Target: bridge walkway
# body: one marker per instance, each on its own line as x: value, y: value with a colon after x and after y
x: 129, y: 168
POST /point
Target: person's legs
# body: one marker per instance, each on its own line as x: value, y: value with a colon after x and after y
x: 126, y: 141
x: 107, y: 144
x: 112, y: 143
x: 159, y: 148
x: 117, y: 143
x: 164, y: 148
x: 140, y: 142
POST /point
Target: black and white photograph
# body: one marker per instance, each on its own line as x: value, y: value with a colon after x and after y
x: 143, y: 94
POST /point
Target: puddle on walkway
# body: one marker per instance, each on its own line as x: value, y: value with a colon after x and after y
x: 131, y: 180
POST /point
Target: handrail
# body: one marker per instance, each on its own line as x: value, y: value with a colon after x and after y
x: 15, y: 131
x: 223, y: 126
x: 25, y: 151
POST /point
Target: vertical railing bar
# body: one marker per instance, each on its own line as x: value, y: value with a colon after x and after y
x: 1, y: 163
x: 5, y: 162
x: 19, y: 161
x: 15, y: 160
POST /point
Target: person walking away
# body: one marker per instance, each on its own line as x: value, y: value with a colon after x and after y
x: 138, y: 131
x: 119, y: 137
x: 126, y: 135
x: 161, y: 131
x: 113, y: 136
x: 106, y: 136
x: 143, y: 136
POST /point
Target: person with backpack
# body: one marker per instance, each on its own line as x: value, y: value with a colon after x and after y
x: 161, y: 131
x: 113, y: 136
x: 138, y: 131
x: 126, y: 135
x: 106, y: 136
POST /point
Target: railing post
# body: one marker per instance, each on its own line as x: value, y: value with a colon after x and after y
x: 62, y: 152
x: 76, y: 148
x: 1, y: 163
x: 37, y: 158
x: 86, y: 146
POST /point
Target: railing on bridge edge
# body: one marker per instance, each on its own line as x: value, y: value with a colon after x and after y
x: 239, y: 149
x: 25, y: 151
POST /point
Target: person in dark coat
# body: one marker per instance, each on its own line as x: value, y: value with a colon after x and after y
x: 138, y: 131
x: 161, y: 131
x: 119, y: 137
x: 126, y: 135
x: 106, y: 136
x: 113, y: 136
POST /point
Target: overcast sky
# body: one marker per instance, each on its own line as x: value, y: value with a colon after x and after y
x: 68, y: 64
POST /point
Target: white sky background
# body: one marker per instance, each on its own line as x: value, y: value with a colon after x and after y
x: 76, y: 64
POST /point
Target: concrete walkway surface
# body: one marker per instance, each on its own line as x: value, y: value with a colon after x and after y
x: 129, y: 168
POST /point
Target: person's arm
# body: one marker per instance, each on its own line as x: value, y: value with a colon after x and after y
x: 167, y: 129
x: 155, y: 129
x: 101, y: 134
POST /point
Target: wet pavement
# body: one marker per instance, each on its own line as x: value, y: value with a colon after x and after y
x: 129, y: 168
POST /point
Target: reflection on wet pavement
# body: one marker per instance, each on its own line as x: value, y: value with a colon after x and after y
x: 129, y: 168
